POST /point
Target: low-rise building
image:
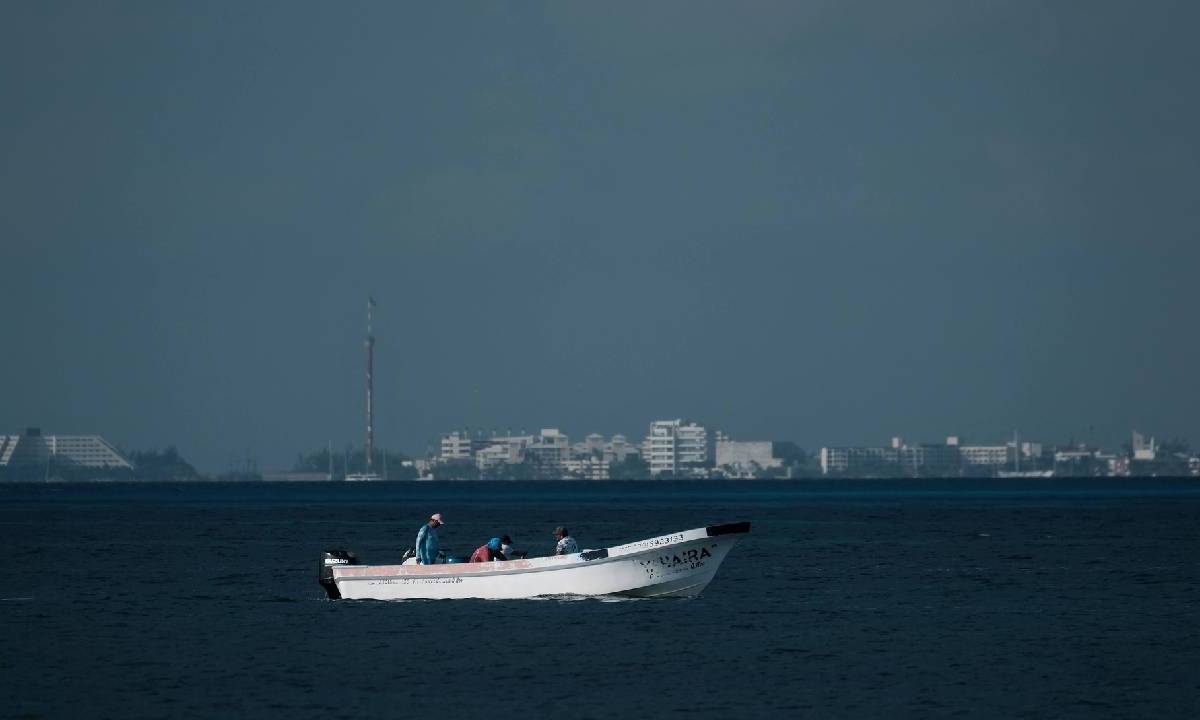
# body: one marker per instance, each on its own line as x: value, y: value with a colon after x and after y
x: 456, y: 446
x: 839, y: 460
x: 948, y: 459
x: 592, y: 446
x: 986, y: 455
x: 1142, y: 450
x: 618, y: 449
x: 932, y: 458
x: 587, y: 468
x: 744, y: 459
x: 509, y: 450
x: 35, y: 449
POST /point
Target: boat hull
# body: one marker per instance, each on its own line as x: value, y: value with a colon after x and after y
x: 677, y: 565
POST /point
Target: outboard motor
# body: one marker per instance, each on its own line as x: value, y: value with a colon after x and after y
x: 329, y: 560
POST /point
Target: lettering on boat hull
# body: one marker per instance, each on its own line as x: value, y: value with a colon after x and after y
x: 676, y: 562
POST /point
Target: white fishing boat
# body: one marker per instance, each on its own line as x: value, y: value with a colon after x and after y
x: 676, y: 565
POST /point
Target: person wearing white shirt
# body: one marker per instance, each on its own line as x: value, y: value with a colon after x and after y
x: 566, y: 544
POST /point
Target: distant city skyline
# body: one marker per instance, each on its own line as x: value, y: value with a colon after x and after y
x: 671, y: 448
x: 248, y: 452
x: 682, y: 448
x: 823, y: 222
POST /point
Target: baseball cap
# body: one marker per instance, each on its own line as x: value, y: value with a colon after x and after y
x: 438, y: 517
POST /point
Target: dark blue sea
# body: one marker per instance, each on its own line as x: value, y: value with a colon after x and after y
x: 979, y: 599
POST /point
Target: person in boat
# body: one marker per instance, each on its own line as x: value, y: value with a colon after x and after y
x: 427, y: 540
x: 566, y: 544
x: 489, y: 552
x: 510, y: 552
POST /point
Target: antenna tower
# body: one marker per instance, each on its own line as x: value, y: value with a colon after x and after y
x: 370, y: 381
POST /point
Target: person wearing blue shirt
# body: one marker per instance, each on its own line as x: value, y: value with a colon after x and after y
x: 427, y: 540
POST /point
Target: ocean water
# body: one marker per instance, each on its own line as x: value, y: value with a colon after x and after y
x: 980, y: 599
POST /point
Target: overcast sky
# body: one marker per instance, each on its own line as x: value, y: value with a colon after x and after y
x: 828, y: 222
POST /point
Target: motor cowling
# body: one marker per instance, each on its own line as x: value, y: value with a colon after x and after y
x: 329, y: 560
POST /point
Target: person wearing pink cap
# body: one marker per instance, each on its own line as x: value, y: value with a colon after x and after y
x: 427, y: 540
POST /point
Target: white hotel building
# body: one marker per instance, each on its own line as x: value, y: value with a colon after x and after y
x: 34, y: 449
x: 456, y: 446
x: 675, y: 445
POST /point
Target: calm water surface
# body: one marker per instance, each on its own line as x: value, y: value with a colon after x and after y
x: 857, y: 599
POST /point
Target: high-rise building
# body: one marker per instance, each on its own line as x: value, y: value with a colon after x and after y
x: 674, y: 446
x: 549, y: 452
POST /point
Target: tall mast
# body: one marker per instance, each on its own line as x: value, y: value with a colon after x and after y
x: 370, y: 382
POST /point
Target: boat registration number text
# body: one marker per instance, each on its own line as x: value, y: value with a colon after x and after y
x: 418, y: 581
